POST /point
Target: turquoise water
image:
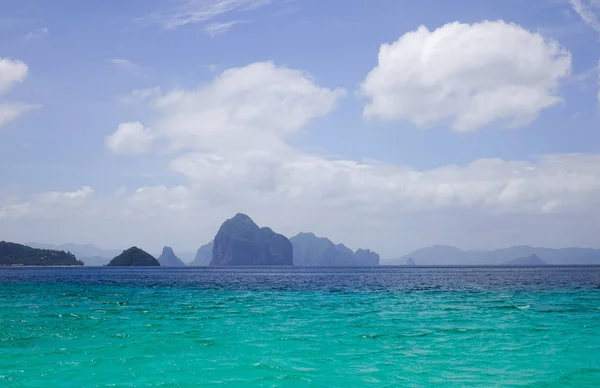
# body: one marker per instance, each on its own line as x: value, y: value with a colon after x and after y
x: 386, y: 327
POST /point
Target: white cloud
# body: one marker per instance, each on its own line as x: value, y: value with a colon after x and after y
x: 129, y: 66
x: 493, y: 186
x: 11, y: 73
x: 228, y: 140
x: 130, y: 138
x: 39, y: 33
x: 219, y: 28
x: 586, y: 9
x: 470, y: 74
x: 390, y: 208
x: 146, y: 201
x: 251, y: 107
x: 198, y: 11
x: 51, y: 203
x: 12, y: 111
x: 141, y: 95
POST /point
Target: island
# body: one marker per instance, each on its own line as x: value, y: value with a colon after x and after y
x: 203, y: 255
x: 310, y: 250
x: 168, y: 258
x: 13, y: 254
x: 240, y: 242
x: 134, y: 257
x: 529, y: 261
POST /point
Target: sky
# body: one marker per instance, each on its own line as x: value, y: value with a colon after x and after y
x: 381, y: 124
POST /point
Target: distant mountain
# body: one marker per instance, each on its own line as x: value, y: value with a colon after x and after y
x: 448, y: 255
x: 134, y: 257
x: 168, y: 258
x: 80, y: 250
x: 90, y: 254
x: 410, y: 262
x: 203, y: 256
x: 240, y: 241
x: 532, y: 260
x: 187, y: 257
x: 310, y: 250
x: 95, y: 261
x: 17, y: 254
x: 366, y: 257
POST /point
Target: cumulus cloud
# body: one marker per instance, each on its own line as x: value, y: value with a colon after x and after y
x: 130, y: 138
x: 47, y: 204
x: 555, y: 183
x: 229, y: 149
x: 252, y: 107
x: 391, y: 208
x: 12, y: 72
x: 472, y: 75
x: 229, y: 139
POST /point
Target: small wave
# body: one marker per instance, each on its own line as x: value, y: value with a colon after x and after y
x: 522, y: 307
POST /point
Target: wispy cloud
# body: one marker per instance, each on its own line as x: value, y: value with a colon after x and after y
x: 128, y: 66
x: 218, y: 28
x: 12, y: 111
x: 39, y: 33
x: 141, y: 95
x: 586, y: 9
x: 588, y: 12
x: 598, y: 95
x: 202, y: 11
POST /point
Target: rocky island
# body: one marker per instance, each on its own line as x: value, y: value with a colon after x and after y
x: 13, y: 254
x: 240, y: 242
x: 168, y: 258
x: 310, y: 250
x: 203, y: 255
x: 134, y: 257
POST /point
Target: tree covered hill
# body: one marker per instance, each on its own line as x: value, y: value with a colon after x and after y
x: 17, y: 254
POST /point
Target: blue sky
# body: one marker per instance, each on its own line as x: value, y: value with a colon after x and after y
x: 315, y: 129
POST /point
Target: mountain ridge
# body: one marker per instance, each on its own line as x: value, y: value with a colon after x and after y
x: 449, y: 255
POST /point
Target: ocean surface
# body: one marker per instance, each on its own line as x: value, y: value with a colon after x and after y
x: 343, y: 327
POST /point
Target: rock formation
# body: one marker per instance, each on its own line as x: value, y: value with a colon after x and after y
x: 310, y: 250
x: 203, y: 255
x: 168, y: 258
x: 134, y: 257
x: 240, y: 242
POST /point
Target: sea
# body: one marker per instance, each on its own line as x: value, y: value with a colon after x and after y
x: 297, y: 327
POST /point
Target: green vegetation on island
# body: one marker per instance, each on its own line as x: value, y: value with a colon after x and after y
x: 134, y: 257
x: 21, y: 255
